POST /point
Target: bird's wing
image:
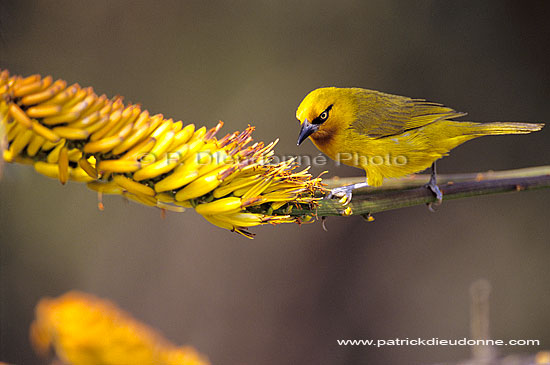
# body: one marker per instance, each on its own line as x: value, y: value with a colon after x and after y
x: 382, y: 115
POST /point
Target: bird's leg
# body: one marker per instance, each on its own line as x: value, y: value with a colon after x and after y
x: 345, y: 192
x: 432, y: 185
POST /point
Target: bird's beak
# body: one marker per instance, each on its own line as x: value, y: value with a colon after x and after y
x: 306, y: 131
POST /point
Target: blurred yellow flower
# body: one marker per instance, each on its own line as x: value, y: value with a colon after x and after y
x: 84, y: 329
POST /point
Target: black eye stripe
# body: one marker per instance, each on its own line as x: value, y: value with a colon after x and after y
x: 320, y: 120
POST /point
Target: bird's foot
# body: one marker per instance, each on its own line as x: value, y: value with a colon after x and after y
x: 344, y: 192
x: 432, y: 186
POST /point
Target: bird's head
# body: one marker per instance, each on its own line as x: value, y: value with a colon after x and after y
x: 324, y: 113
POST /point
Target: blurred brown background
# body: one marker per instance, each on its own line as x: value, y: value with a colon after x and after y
x: 288, y: 295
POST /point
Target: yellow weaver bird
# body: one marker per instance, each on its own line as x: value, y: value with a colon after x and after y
x: 388, y: 135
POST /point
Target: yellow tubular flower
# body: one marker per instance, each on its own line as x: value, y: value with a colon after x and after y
x: 83, y: 329
x: 70, y: 133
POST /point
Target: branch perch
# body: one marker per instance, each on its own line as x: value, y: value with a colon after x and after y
x: 410, y: 191
x: 71, y: 133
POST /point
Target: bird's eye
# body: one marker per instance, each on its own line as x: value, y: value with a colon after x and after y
x: 322, y: 117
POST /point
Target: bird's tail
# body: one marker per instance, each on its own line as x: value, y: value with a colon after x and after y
x: 495, y: 128
x: 453, y: 133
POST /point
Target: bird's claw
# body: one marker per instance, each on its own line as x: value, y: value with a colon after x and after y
x: 343, y: 192
x: 436, y: 191
x: 432, y: 186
